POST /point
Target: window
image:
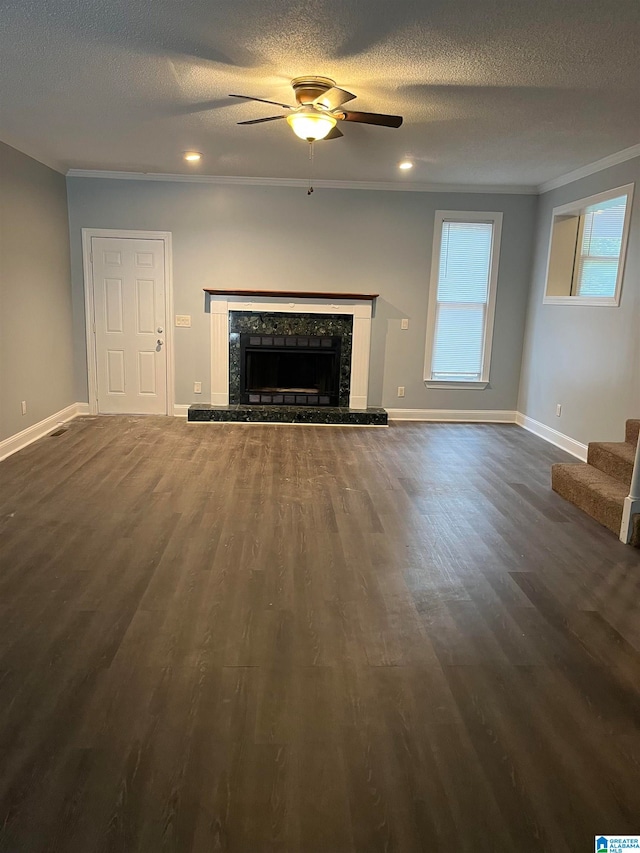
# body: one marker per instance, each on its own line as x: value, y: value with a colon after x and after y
x: 587, y: 249
x: 462, y: 296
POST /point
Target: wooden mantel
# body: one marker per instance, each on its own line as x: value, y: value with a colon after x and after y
x: 316, y: 294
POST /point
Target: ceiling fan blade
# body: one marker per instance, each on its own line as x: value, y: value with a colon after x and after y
x: 260, y: 120
x: 373, y: 118
x: 333, y: 98
x: 262, y: 101
x: 334, y: 133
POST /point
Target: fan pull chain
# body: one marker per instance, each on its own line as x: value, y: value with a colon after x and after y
x: 310, y: 190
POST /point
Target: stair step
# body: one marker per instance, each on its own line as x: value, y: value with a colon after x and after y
x: 632, y: 430
x: 593, y: 491
x: 615, y: 458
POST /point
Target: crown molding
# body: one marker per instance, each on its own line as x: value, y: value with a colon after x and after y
x: 385, y: 186
x: 304, y: 182
x: 591, y: 169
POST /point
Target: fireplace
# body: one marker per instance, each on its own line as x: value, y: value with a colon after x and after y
x: 253, y: 333
x: 290, y: 370
x: 280, y: 313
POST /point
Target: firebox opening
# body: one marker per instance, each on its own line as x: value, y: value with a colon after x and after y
x: 290, y: 370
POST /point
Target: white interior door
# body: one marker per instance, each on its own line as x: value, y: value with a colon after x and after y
x: 129, y: 307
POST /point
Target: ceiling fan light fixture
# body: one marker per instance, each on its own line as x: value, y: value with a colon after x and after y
x: 192, y: 156
x: 405, y: 165
x: 311, y: 124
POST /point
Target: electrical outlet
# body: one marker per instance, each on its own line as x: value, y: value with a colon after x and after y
x: 183, y: 320
x: 400, y: 390
x: 558, y: 410
x: 197, y: 387
x: 404, y: 324
x: 23, y: 407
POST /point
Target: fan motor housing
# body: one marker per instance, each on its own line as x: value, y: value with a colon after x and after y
x: 307, y: 89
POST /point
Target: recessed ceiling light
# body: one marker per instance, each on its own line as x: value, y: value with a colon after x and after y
x: 192, y: 156
x: 406, y: 164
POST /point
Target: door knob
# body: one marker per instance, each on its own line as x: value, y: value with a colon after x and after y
x: 160, y: 330
x: 160, y: 342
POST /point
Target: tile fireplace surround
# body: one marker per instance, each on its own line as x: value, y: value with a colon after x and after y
x: 274, y: 323
x: 348, y: 315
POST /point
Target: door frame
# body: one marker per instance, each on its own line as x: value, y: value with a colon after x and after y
x: 89, y: 308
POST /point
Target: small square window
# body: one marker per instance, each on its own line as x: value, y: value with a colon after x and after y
x: 587, y: 249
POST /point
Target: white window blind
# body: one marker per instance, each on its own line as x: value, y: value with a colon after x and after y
x: 600, y: 242
x: 461, y: 301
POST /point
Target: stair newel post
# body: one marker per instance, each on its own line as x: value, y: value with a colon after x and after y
x: 632, y: 502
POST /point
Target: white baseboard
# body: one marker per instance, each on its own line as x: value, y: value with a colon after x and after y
x: 470, y: 416
x: 33, y: 433
x: 565, y: 442
x: 491, y: 416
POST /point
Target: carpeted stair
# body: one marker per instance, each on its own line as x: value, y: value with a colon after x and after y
x: 599, y: 486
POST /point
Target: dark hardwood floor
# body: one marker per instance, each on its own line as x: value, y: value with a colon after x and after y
x: 273, y: 638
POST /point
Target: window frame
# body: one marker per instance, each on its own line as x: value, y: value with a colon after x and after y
x: 442, y: 216
x: 578, y: 209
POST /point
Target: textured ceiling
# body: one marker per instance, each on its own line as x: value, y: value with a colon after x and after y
x: 510, y: 92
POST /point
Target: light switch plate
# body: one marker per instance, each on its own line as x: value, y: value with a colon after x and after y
x: 404, y: 324
x: 183, y: 319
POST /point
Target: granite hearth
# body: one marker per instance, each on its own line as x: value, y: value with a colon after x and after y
x: 334, y: 415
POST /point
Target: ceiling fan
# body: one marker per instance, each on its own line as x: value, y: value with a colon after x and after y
x: 319, y: 109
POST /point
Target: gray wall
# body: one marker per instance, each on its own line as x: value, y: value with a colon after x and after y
x: 586, y: 358
x: 344, y: 240
x: 36, y: 326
